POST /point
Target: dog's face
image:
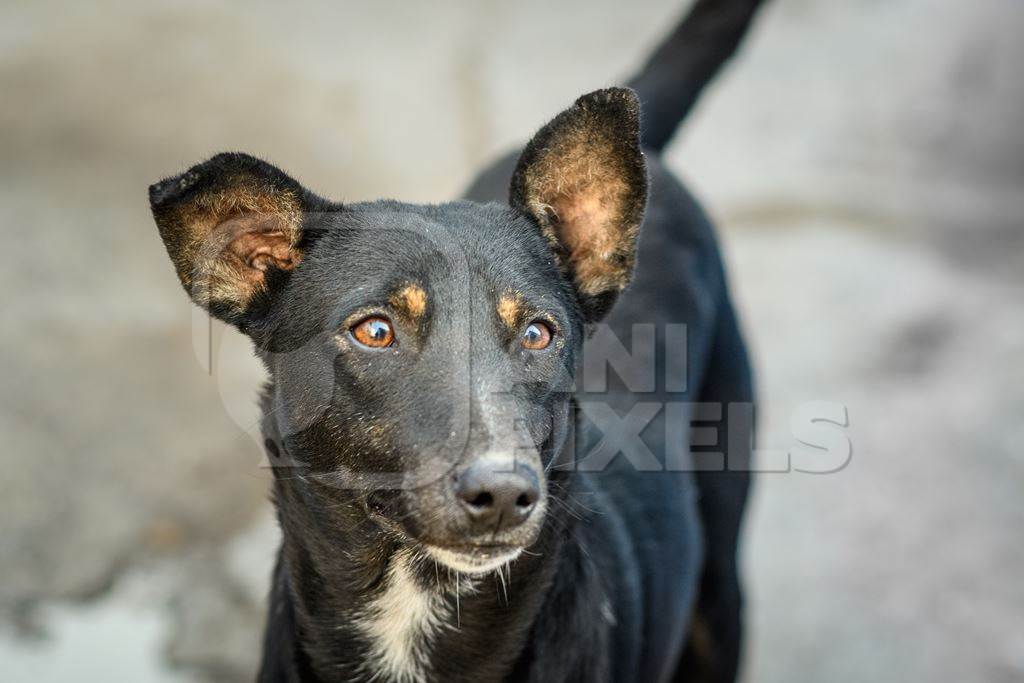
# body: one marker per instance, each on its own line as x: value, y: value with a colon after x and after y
x: 421, y: 356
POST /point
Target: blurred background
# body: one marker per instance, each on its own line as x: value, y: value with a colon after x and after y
x: 864, y: 161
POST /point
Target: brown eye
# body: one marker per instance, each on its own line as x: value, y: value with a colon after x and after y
x: 374, y: 332
x: 536, y: 336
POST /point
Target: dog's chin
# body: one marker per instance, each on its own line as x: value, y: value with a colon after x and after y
x: 474, y: 559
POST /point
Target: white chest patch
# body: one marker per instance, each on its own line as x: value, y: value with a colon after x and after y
x: 399, y: 624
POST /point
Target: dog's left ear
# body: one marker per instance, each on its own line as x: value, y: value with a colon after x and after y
x: 582, y: 178
x: 232, y: 226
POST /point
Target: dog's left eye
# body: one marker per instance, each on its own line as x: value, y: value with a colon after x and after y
x: 536, y: 336
x: 374, y: 332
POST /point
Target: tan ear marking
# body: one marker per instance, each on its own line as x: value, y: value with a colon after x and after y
x: 231, y: 238
x: 583, y: 192
x: 227, y: 223
x: 584, y: 180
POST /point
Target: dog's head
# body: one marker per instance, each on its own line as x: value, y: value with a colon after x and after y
x: 421, y: 357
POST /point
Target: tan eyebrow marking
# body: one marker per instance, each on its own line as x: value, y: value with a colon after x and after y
x: 510, y: 309
x: 410, y: 301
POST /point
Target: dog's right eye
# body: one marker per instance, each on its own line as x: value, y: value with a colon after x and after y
x: 537, y: 336
x: 374, y: 332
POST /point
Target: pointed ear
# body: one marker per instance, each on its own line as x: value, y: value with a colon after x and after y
x: 583, y: 180
x: 231, y: 225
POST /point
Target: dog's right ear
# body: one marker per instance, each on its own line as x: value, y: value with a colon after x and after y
x: 232, y: 225
x: 583, y: 180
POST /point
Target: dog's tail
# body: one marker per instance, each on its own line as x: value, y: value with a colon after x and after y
x: 675, y: 75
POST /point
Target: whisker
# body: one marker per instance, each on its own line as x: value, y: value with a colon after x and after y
x: 458, y: 610
x: 504, y: 588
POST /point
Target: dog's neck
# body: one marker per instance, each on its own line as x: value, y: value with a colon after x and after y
x: 363, y: 603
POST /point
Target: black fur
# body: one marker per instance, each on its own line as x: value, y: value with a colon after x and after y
x: 627, y: 575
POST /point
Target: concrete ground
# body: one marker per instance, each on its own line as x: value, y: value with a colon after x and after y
x: 864, y: 161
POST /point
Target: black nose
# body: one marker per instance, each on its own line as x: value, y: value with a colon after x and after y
x: 496, y: 500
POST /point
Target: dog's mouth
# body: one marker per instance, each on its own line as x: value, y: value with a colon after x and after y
x: 468, y: 558
x: 474, y: 559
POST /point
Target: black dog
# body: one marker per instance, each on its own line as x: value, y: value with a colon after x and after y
x: 452, y: 506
